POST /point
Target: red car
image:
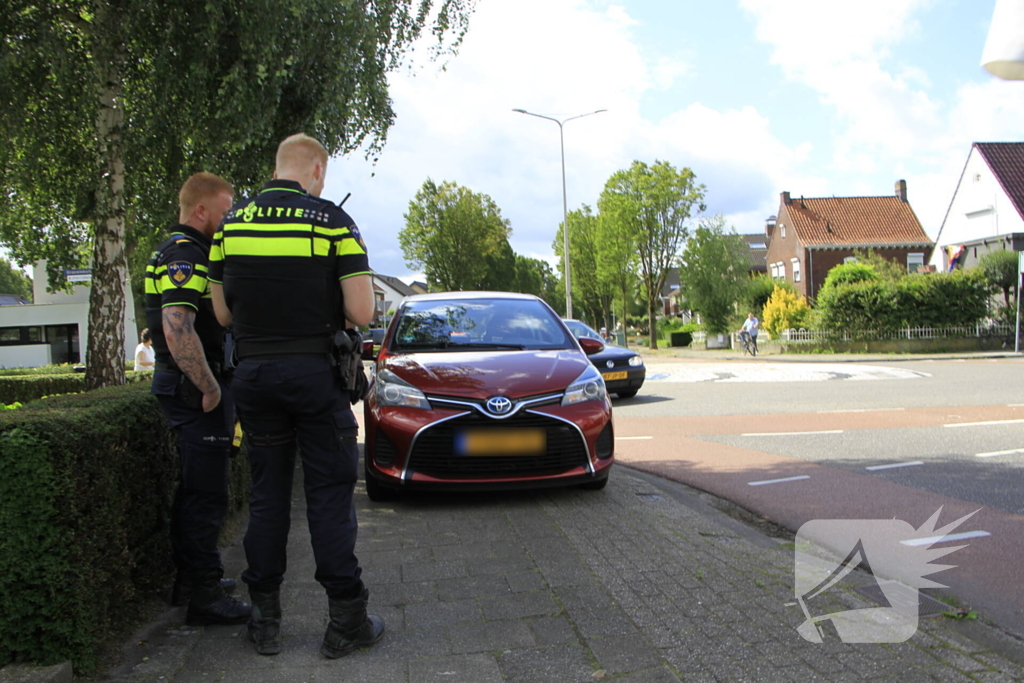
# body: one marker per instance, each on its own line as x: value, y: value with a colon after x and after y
x: 483, y: 391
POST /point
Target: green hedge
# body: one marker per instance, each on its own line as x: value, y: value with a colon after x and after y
x: 23, y: 388
x: 85, y: 495
x: 943, y: 299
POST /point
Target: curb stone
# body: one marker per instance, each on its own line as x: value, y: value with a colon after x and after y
x: 30, y: 673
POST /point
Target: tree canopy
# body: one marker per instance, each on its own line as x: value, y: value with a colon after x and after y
x: 1001, y: 271
x: 13, y: 281
x: 714, y: 272
x: 106, y: 106
x: 456, y: 236
x: 650, y: 206
x: 591, y: 292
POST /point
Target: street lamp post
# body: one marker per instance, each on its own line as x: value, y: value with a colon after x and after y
x: 565, y: 204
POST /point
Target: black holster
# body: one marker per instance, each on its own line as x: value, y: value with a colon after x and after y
x: 348, y: 363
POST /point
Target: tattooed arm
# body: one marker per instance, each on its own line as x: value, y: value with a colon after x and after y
x: 187, y: 351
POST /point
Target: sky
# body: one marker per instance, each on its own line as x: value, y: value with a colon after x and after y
x: 757, y: 97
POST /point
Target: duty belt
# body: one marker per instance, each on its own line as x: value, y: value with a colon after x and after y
x: 161, y: 366
x: 289, y: 347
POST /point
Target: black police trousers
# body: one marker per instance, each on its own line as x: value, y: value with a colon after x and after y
x: 204, y: 448
x: 289, y: 404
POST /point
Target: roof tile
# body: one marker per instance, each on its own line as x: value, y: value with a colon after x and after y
x: 825, y: 221
x: 1006, y: 159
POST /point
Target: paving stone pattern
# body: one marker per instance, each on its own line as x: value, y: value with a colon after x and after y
x: 625, y: 584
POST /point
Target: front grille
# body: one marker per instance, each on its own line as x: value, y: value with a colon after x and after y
x: 605, y: 442
x: 384, y: 451
x: 433, y: 453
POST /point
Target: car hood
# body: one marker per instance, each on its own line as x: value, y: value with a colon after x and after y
x: 613, y: 353
x: 484, y: 374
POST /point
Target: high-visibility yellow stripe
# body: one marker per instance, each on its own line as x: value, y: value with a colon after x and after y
x: 349, y: 247
x: 244, y: 246
x: 274, y: 246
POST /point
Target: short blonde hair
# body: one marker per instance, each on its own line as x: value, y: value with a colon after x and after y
x: 300, y: 151
x: 199, y: 187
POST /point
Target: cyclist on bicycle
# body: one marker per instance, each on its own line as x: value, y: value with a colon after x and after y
x: 750, y: 327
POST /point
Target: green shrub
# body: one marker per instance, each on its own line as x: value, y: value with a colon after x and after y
x: 849, y: 274
x: 85, y: 497
x: 943, y: 299
x: 785, y: 310
x: 24, y: 387
x: 759, y: 290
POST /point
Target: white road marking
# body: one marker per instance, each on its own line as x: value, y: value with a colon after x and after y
x: 828, y: 431
x: 1015, y: 405
x: 945, y: 539
x: 898, y: 464
x: 861, y: 410
x: 633, y: 438
x: 983, y: 424
x: 778, y: 481
x: 992, y: 454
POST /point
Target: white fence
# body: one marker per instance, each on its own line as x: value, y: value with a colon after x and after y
x: 980, y: 330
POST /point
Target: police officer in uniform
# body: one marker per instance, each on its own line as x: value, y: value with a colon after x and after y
x: 288, y: 272
x: 188, y: 345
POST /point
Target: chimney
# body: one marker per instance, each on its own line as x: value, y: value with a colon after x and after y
x: 769, y: 226
x: 785, y: 198
x: 901, y: 190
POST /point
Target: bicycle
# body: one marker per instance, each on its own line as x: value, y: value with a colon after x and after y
x: 749, y: 343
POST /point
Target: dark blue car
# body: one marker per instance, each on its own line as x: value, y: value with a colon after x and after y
x: 623, y: 370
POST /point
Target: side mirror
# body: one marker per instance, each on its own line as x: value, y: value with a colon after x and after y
x: 591, y: 346
x: 368, y: 353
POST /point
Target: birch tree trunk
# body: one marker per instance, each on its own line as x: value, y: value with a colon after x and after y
x: 105, y: 360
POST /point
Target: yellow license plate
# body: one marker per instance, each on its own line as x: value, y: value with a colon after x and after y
x: 615, y: 375
x: 501, y: 442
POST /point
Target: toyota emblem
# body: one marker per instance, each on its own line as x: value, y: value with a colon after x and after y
x: 499, y: 405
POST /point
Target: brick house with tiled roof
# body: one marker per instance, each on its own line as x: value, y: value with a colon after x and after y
x: 987, y: 208
x: 811, y: 235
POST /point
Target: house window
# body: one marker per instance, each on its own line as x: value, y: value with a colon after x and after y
x: 782, y: 230
x: 914, y: 261
x: 796, y: 270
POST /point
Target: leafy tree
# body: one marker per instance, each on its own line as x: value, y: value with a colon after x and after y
x: 454, y: 235
x: 616, y: 265
x: 1000, y: 269
x: 651, y: 205
x: 535, y: 276
x: 106, y: 106
x: 591, y: 293
x: 13, y: 281
x: 784, y: 310
x: 714, y: 272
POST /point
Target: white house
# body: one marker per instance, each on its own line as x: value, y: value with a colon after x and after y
x: 987, y: 210
x: 54, y: 329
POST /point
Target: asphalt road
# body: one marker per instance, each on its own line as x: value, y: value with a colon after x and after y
x: 935, y: 434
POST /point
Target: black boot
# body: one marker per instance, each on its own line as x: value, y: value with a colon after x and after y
x: 211, y: 605
x: 350, y: 628
x: 265, y: 622
x: 181, y: 593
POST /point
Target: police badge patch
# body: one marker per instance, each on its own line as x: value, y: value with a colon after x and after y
x: 180, y: 272
x: 359, y: 238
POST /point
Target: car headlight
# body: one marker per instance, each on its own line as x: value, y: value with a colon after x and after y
x: 392, y: 390
x: 636, y: 361
x: 589, y: 386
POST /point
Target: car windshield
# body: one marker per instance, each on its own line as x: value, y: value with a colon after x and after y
x: 581, y: 330
x: 479, y: 324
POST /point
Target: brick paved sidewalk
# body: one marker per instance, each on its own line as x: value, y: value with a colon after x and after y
x: 641, y: 582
